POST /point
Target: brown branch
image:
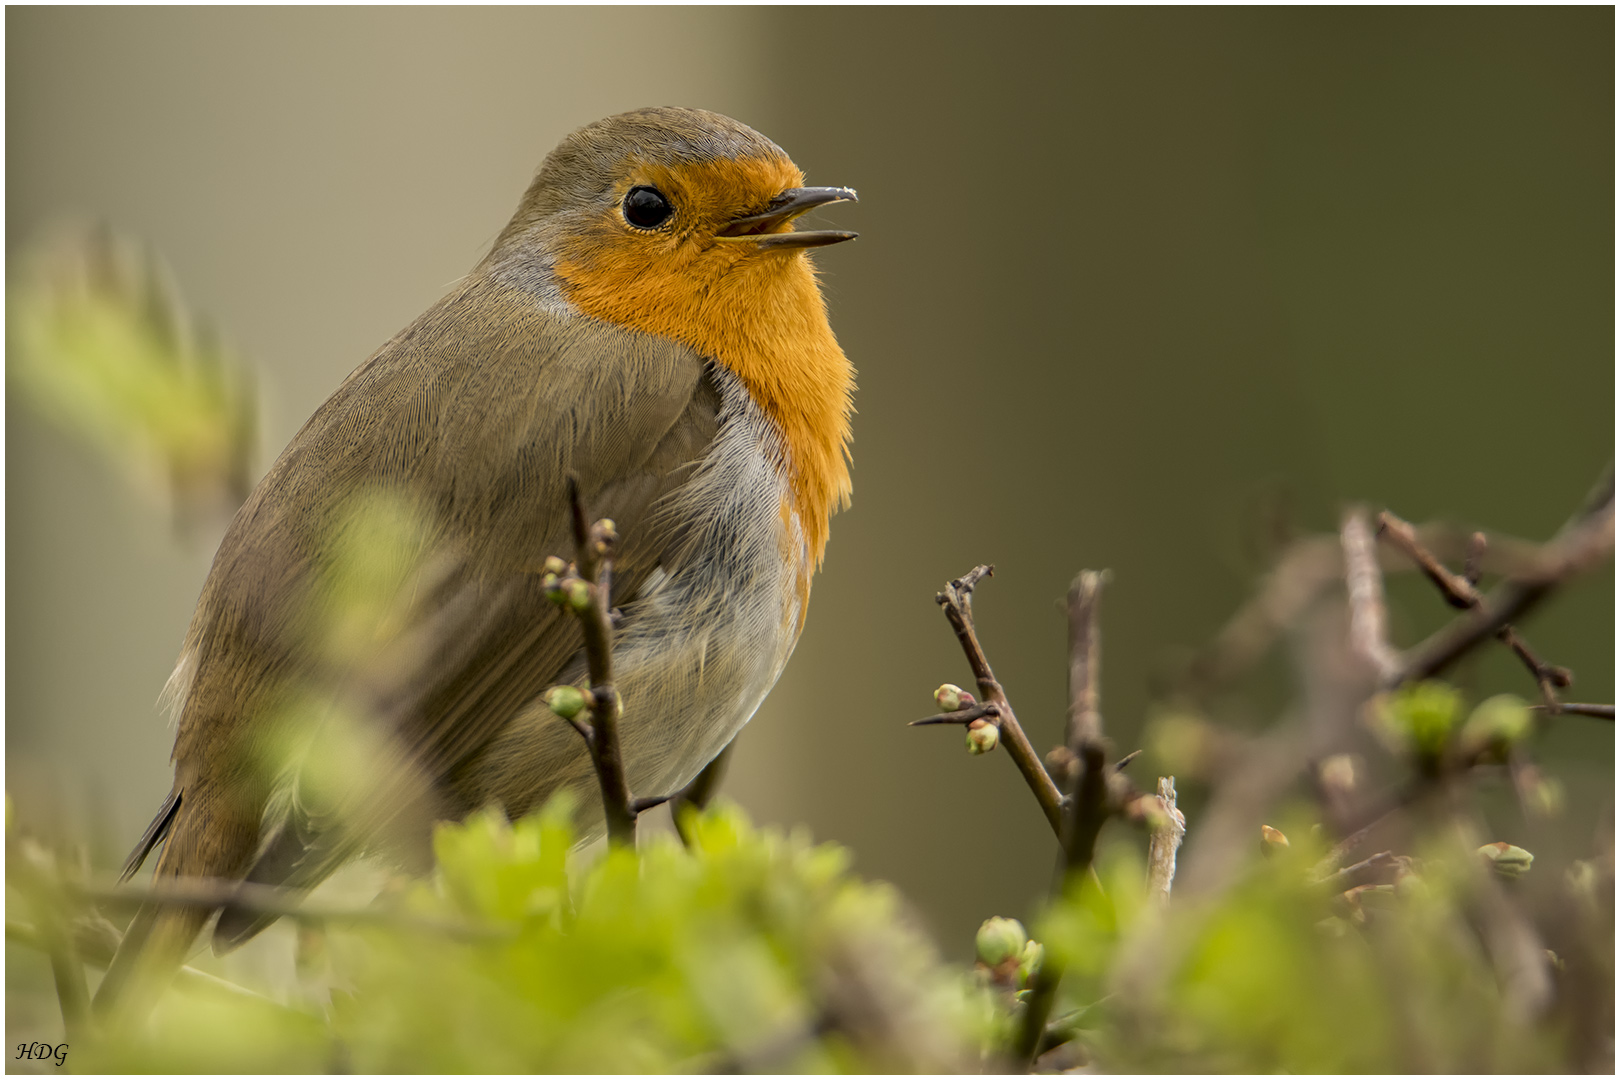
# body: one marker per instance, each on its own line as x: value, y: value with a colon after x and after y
x: 1584, y: 541
x: 957, y: 602
x: 97, y: 949
x: 1365, y: 585
x: 210, y: 893
x: 979, y: 711
x: 1292, y: 586
x: 1087, y: 805
x: 44, y: 898
x: 1459, y: 592
x: 1164, y: 837
x: 1581, y: 708
x: 594, y: 546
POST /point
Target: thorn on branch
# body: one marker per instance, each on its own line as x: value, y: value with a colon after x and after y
x: 984, y: 711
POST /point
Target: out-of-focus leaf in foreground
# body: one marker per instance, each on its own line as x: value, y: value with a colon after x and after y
x: 103, y: 347
x: 754, y: 950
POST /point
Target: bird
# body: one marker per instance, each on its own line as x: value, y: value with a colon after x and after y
x: 649, y: 328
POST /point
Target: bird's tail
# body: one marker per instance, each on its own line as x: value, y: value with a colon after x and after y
x: 201, y: 839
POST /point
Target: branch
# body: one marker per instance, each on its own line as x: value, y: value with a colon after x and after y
x: 1365, y: 584
x: 1088, y: 804
x: 1459, y: 592
x: 587, y: 591
x: 43, y: 897
x: 97, y: 949
x: 957, y: 601
x: 210, y: 893
x: 1581, y: 708
x: 1586, y: 539
x: 1164, y: 837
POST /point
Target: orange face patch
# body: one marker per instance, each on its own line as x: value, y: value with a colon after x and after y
x: 758, y: 312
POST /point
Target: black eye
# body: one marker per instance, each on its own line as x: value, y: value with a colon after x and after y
x: 646, y: 208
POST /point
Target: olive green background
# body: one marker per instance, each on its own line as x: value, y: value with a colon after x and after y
x: 1125, y: 277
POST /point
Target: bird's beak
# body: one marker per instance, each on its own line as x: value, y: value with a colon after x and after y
x: 759, y: 228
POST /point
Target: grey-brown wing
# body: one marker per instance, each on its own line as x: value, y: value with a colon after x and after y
x: 477, y: 414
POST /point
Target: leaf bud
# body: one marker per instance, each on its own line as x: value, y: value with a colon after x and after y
x: 554, y: 566
x: 1496, y: 724
x: 948, y: 697
x: 1272, y: 840
x: 982, y: 737
x: 1506, y: 859
x: 579, y: 594
x: 1029, y: 960
x: 566, y: 701
x: 998, y: 940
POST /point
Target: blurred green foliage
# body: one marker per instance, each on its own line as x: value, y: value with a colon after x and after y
x: 753, y: 950
x: 103, y: 347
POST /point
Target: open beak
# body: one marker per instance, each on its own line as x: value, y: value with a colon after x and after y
x: 761, y: 228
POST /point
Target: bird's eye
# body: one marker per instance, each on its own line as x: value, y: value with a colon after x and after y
x: 646, y: 208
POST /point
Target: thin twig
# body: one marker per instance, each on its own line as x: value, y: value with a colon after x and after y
x: 594, y: 545
x: 1459, y: 592
x: 42, y: 892
x: 1164, y: 837
x: 1365, y: 585
x: 99, y: 953
x: 210, y: 893
x: 957, y: 602
x: 1584, y: 541
x: 1582, y: 708
x: 1088, y: 803
x: 982, y: 710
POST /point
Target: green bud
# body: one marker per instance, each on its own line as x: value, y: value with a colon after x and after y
x: 554, y: 566
x: 1506, y: 859
x: 982, y: 737
x: 566, y: 701
x: 948, y: 697
x: 1420, y: 717
x: 1029, y: 961
x: 999, y: 940
x: 579, y: 594
x: 1497, y: 723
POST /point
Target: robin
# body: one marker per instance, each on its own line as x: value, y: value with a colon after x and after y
x: 648, y: 323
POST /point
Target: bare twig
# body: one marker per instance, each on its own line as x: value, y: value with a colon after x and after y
x: 72, y: 990
x: 1459, y: 592
x: 957, y: 602
x: 1585, y: 540
x: 1582, y: 708
x: 210, y: 893
x: 1365, y: 585
x: 1301, y: 573
x: 1088, y: 807
x: 97, y: 950
x: 982, y: 710
x: 1088, y: 803
x: 1163, y: 839
x: 594, y: 546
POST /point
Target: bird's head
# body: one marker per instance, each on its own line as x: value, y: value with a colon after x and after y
x: 681, y: 223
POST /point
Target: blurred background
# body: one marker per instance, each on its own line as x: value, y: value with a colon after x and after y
x: 1133, y: 287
